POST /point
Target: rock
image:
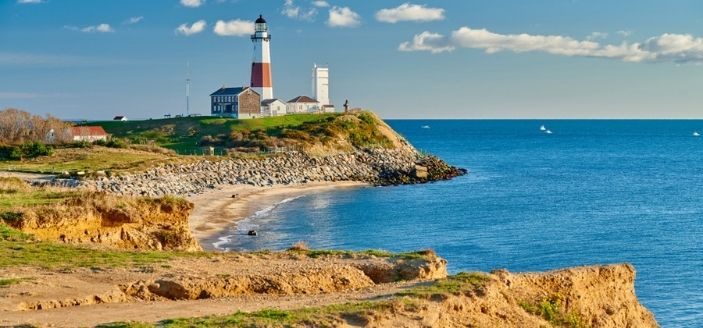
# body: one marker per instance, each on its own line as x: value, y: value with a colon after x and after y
x: 374, y: 166
x: 252, y: 233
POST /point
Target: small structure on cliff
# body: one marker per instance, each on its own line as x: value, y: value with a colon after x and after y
x: 88, y: 133
x: 303, y: 104
x: 273, y: 107
x: 239, y: 103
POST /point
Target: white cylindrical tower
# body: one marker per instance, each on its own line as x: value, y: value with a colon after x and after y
x: 321, y: 84
x: 261, y: 80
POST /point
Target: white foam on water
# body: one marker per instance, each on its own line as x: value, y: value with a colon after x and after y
x: 248, y: 223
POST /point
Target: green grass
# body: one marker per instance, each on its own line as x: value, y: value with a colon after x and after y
x: 456, y: 284
x: 551, y: 310
x: 368, y: 252
x: 316, y: 317
x: 87, y: 159
x: 19, y: 249
x: 31, y: 198
x: 184, y: 134
x: 12, y: 281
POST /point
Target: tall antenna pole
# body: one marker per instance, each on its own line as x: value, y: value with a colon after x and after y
x: 188, y: 88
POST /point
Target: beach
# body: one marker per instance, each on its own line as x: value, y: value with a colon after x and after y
x: 219, y: 210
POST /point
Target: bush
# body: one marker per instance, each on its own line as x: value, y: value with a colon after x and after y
x: 26, y: 150
x: 112, y: 143
x: 11, y: 217
x: 81, y: 144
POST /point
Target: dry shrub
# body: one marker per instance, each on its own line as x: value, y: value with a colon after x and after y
x: 12, y: 185
x: 152, y: 149
x: 300, y: 246
x: 17, y: 127
x: 109, y: 210
x: 427, y: 252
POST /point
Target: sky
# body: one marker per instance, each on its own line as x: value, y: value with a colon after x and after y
x: 79, y: 59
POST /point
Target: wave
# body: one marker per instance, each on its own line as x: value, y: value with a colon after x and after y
x: 245, y: 225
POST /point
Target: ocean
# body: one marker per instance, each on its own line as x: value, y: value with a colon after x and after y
x: 592, y: 192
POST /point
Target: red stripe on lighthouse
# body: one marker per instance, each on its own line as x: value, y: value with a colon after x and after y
x: 261, y: 75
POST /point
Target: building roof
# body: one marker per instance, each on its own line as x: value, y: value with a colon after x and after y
x: 86, y: 131
x: 302, y: 99
x: 269, y: 101
x: 230, y: 91
x: 260, y: 20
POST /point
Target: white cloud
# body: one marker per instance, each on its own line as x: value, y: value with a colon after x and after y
x: 343, y: 17
x: 320, y: 4
x: 410, y: 12
x: 624, y: 34
x: 427, y: 41
x: 195, y: 28
x: 235, y: 27
x: 29, y: 2
x: 134, y: 20
x: 596, y: 36
x: 290, y: 10
x: 192, y: 3
x: 679, y: 48
x: 100, y: 28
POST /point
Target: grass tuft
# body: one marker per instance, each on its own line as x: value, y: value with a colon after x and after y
x: 551, y: 309
x: 457, y: 284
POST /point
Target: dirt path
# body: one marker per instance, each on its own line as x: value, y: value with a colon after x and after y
x: 88, y: 316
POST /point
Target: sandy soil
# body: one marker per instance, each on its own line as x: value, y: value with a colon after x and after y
x: 218, y: 210
x: 88, y: 316
x: 233, y: 282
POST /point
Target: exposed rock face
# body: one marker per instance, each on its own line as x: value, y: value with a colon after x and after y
x: 600, y: 296
x: 112, y: 221
x: 375, y: 166
x: 224, y: 275
x: 430, y: 268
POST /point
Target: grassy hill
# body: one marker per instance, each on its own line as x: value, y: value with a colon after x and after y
x: 188, y: 135
x: 317, y: 134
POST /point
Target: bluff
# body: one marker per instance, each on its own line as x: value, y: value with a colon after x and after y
x: 99, y: 219
x: 344, y: 147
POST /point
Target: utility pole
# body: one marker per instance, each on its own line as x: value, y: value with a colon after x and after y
x: 187, y: 88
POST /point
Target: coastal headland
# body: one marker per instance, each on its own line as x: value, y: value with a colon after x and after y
x: 113, y: 237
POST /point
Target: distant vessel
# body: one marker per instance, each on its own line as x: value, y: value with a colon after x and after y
x: 543, y: 128
x: 425, y: 127
x: 548, y: 132
x: 696, y: 134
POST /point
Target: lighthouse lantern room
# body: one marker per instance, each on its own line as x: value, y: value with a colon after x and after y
x: 261, y: 80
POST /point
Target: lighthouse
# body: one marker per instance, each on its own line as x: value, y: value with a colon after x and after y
x: 261, y: 80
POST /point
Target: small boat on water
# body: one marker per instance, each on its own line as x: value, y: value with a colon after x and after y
x: 543, y: 128
x: 696, y: 134
x: 548, y: 132
x: 425, y: 127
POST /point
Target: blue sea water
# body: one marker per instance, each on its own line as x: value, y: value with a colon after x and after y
x: 593, y: 192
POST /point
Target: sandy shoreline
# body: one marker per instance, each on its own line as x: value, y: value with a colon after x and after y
x: 218, y: 210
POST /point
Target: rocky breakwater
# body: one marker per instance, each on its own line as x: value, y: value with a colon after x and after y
x: 374, y: 166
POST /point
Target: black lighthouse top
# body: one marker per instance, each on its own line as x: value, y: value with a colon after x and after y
x: 260, y: 20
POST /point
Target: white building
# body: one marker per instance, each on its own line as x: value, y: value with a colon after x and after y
x: 303, y: 104
x: 321, y: 84
x: 88, y: 133
x: 273, y: 107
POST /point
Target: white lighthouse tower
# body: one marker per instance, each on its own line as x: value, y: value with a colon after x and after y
x: 321, y: 84
x: 261, y: 80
